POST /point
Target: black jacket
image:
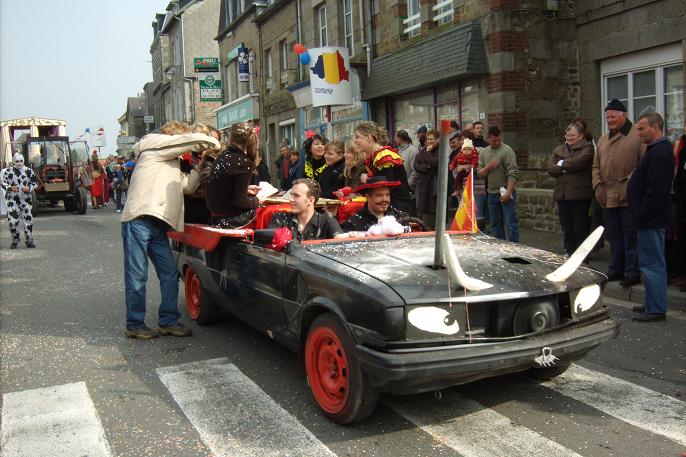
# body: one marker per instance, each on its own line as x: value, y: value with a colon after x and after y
x: 332, y: 179
x: 321, y: 226
x: 364, y: 219
x: 227, y: 191
x: 648, y: 190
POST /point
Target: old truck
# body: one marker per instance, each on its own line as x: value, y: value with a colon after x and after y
x: 47, y: 150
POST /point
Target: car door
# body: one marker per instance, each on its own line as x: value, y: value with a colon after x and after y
x: 259, y: 272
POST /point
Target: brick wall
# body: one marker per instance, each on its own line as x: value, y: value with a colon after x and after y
x: 536, y: 209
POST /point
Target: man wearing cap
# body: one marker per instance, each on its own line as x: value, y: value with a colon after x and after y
x: 303, y: 220
x: 18, y: 182
x: 378, y: 193
x: 421, y: 134
x: 617, y: 155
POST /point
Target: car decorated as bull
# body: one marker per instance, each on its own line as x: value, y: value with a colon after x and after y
x: 375, y: 314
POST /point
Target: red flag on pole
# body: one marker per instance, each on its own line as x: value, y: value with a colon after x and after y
x: 465, y: 216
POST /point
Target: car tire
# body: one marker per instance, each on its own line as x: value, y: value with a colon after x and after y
x: 336, y: 381
x: 548, y: 373
x: 69, y: 205
x: 199, y: 304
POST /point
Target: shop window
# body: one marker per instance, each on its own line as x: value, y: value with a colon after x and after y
x: 413, y: 23
x: 348, y: 26
x: 443, y: 12
x: 413, y: 110
x: 322, y: 38
x: 469, y: 101
x: 650, y: 80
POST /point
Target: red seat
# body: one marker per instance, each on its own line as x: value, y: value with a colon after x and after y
x: 265, y: 213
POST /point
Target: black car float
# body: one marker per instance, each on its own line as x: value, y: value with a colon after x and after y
x: 373, y: 314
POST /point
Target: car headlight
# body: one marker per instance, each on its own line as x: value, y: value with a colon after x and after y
x: 586, y: 298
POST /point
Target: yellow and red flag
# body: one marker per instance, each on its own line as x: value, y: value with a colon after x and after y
x: 465, y: 216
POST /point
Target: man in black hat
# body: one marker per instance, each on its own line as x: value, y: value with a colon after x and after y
x: 616, y: 158
x: 378, y: 193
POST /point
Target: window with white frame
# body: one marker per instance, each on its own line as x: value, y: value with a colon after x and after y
x: 413, y: 23
x: 348, y: 26
x: 228, y: 81
x: 322, y: 38
x: 648, y: 81
x: 269, y: 81
x: 443, y: 12
x: 287, y: 132
x: 283, y: 62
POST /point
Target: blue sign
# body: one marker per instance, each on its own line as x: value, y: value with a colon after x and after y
x: 243, y: 65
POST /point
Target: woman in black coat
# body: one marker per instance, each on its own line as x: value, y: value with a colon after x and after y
x: 332, y: 178
x: 425, y: 168
x: 231, y: 198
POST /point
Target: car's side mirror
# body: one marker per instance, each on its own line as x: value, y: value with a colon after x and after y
x: 276, y: 239
x: 263, y: 237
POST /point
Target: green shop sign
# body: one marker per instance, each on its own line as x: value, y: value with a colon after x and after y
x: 210, y: 86
x: 206, y: 63
x: 242, y: 111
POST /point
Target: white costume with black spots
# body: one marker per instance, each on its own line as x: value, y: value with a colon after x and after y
x: 15, y: 181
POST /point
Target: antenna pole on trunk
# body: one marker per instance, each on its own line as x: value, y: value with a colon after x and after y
x: 442, y: 192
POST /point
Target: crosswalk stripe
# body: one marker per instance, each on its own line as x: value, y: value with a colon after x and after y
x: 474, y: 430
x: 233, y: 416
x: 631, y: 403
x: 57, y: 420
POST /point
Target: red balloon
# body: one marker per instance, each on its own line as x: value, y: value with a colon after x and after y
x: 299, y: 48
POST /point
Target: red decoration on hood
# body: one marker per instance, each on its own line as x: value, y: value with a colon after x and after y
x: 282, y: 236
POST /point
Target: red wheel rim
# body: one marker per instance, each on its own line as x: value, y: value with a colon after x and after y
x: 328, y: 370
x: 193, y: 293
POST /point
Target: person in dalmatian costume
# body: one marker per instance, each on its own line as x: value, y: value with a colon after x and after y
x: 19, y: 182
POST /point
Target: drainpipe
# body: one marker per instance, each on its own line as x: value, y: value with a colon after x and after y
x: 298, y: 32
x: 183, y: 74
x: 370, y: 36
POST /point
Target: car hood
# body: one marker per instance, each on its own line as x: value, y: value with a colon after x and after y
x: 404, y: 263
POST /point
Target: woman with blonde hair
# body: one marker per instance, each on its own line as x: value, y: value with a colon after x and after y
x: 383, y: 160
x: 231, y: 198
x: 354, y: 165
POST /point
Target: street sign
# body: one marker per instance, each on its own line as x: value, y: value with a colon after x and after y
x: 149, y: 119
x: 330, y: 76
x: 210, y: 86
x: 201, y: 64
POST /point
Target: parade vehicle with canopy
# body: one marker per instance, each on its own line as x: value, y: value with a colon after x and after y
x: 375, y: 314
x: 47, y: 150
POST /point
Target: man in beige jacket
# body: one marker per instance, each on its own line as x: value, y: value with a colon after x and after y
x: 616, y: 157
x: 155, y: 205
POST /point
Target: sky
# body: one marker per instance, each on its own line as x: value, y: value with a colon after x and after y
x: 76, y: 60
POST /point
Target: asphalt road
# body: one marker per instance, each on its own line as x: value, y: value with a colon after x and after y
x: 72, y: 384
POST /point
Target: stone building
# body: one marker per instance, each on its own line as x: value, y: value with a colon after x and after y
x: 183, y: 34
x: 239, y: 48
x: 277, y: 33
x: 529, y: 67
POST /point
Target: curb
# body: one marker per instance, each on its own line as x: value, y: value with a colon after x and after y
x: 675, y: 300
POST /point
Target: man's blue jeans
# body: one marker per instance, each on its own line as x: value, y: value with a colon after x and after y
x: 620, y: 232
x: 143, y: 239
x: 498, y: 211
x: 651, y: 259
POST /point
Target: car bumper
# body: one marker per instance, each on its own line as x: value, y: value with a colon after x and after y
x: 423, y: 369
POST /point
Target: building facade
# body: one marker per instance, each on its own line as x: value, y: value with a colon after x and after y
x: 183, y: 34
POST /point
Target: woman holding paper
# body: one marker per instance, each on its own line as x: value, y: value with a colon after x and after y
x: 231, y: 198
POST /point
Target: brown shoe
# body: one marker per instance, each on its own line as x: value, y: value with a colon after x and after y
x: 177, y: 329
x: 141, y: 333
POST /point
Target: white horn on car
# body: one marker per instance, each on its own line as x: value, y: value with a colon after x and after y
x: 456, y: 272
x: 570, y: 266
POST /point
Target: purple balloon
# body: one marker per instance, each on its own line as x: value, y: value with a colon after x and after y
x: 305, y: 58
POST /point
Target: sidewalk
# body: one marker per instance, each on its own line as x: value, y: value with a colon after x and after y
x: 553, y: 242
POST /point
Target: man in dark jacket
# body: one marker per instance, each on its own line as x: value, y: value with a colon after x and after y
x: 648, y: 192
x: 378, y: 193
